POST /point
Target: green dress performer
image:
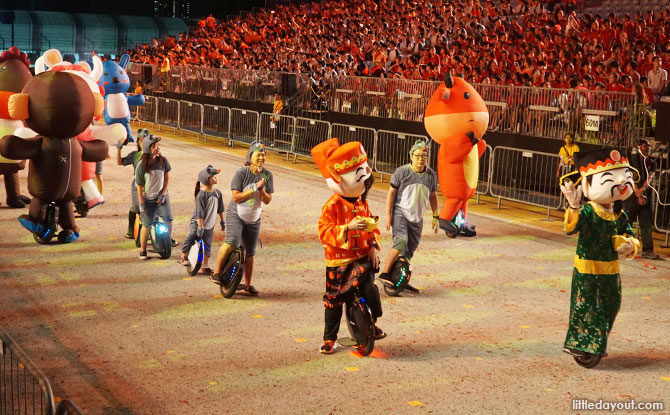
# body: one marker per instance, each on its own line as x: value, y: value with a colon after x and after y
x: 604, y: 234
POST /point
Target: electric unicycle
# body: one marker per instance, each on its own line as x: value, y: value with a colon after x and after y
x: 159, y: 235
x: 231, y: 273
x: 195, y: 256
x: 590, y: 361
x: 49, y: 226
x: 400, y: 276
x: 360, y: 322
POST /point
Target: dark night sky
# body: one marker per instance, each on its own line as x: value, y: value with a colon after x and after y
x: 199, y: 8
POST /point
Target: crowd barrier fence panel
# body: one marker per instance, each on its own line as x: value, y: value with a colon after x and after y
x: 662, y: 208
x: 367, y: 136
x: 23, y: 387
x: 393, y: 150
x: 525, y: 176
x: 308, y: 133
x: 216, y: 123
x: 190, y: 117
x: 244, y: 125
x: 167, y: 113
x: 276, y: 131
x: 147, y: 112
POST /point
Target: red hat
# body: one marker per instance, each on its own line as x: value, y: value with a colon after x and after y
x: 334, y: 159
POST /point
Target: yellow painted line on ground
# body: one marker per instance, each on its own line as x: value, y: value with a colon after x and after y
x: 415, y: 403
x: 351, y: 369
x: 256, y: 316
x: 524, y: 327
x: 300, y: 340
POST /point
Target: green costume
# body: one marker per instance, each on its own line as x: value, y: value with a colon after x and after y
x: 596, y: 286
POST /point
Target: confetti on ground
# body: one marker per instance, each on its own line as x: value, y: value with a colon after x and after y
x: 646, y: 298
x: 159, y: 264
x: 218, y: 296
x: 351, y: 369
x: 549, y: 390
x: 665, y: 378
x: 213, y: 383
x: 84, y: 313
x: 301, y: 340
x: 188, y: 279
x: 524, y: 327
x: 256, y: 316
x: 135, y: 326
x: 468, y: 306
x: 415, y: 403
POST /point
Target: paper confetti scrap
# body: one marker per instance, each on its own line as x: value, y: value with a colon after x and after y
x: 213, y: 383
x: 300, y: 340
x: 257, y: 316
x: 468, y: 306
x: 524, y: 327
x: 646, y: 298
x: 415, y: 403
x: 187, y: 278
x: 665, y: 378
x: 351, y: 369
x: 478, y: 358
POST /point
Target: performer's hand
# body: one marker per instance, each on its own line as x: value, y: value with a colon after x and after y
x: 388, y: 222
x: 435, y: 225
x: 374, y: 258
x: 626, y: 249
x: 199, y: 232
x: 119, y: 144
x: 356, y: 224
x: 223, y: 225
x: 642, y: 200
x: 161, y: 199
x: 572, y: 194
x: 260, y: 184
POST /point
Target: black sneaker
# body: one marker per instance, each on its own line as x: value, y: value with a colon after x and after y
x: 143, y: 255
x: 650, y: 255
x: 328, y: 347
x: 385, y: 278
x: 174, y: 243
x: 412, y: 289
x: 215, y: 278
x: 575, y: 352
x: 379, y: 333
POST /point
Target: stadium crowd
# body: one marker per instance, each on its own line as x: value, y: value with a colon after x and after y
x: 522, y: 42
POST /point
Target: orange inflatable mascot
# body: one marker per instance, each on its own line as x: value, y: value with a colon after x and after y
x: 456, y: 118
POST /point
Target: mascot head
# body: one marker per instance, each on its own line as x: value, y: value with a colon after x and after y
x: 54, y: 104
x: 454, y: 111
x: 14, y: 70
x: 114, y: 77
x: 607, y: 176
x: 345, y: 167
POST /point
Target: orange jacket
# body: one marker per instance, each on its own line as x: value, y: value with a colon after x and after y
x: 343, y: 247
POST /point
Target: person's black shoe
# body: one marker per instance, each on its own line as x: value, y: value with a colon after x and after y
x: 379, y: 333
x: 385, y: 278
x: 651, y: 255
x: 215, y: 278
x: 16, y: 203
x: 468, y: 230
x: 575, y: 352
x: 412, y: 289
x: 24, y: 199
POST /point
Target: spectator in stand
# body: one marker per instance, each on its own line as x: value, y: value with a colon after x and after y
x: 658, y: 78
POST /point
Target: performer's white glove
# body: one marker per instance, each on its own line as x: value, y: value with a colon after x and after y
x: 626, y: 249
x: 572, y: 194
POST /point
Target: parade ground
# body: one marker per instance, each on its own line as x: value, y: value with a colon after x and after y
x: 121, y: 336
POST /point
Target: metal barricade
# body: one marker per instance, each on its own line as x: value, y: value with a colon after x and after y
x: 525, y: 176
x: 243, y: 125
x: 216, y: 122
x: 662, y: 208
x: 484, y: 181
x: 23, y: 387
x: 190, y: 116
x: 276, y: 131
x: 147, y: 112
x: 367, y: 136
x: 393, y: 150
x: 167, y: 113
x: 177, y: 76
x: 308, y: 133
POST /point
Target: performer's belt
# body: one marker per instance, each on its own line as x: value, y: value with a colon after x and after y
x: 590, y: 266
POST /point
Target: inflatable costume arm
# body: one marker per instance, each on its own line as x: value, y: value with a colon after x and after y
x: 481, y: 147
x: 94, y: 150
x: 17, y: 148
x: 135, y: 100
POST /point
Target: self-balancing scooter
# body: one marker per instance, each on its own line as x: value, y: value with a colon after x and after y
x: 159, y: 234
x: 231, y: 274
